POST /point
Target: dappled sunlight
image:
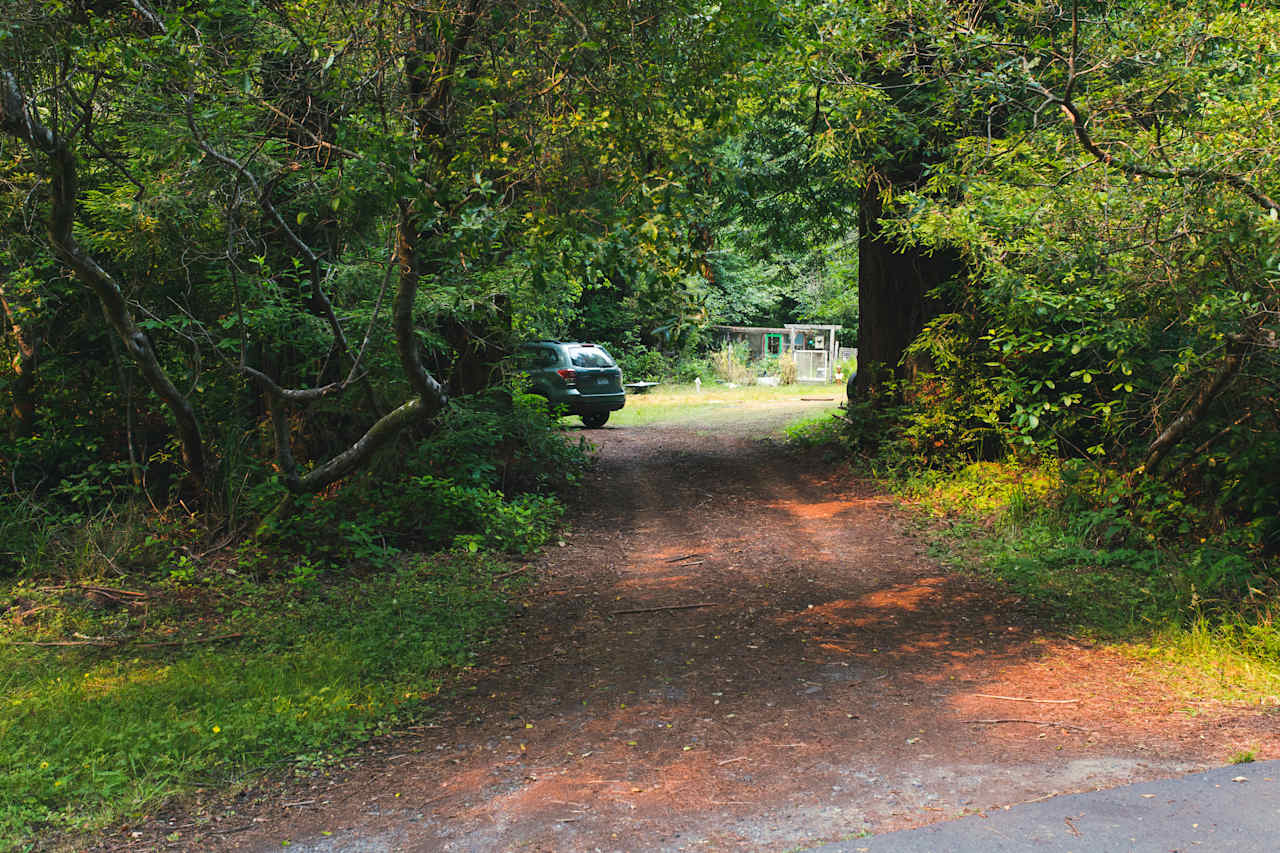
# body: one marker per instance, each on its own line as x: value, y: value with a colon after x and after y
x: 99, y: 683
x: 660, y: 582
x: 720, y: 406
x: 868, y: 610
x: 905, y: 596
x: 812, y: 511
x: 1102, y: 691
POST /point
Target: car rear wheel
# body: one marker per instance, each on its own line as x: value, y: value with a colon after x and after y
x: 595, y: 420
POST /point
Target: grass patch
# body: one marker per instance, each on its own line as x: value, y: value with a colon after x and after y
x: 1203, y: 630
x: 1200, y: 615
x: 679, y: 405
x: 1091, y: 566
x: 92, y: 734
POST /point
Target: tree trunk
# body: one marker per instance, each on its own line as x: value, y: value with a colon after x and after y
x: 893, y: 297
x: 25, y: 363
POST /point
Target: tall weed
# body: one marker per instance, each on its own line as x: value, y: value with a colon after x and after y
x: 730, y: 364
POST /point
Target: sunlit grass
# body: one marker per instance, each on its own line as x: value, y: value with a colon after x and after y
x: 684, y: 405
x: 1091, y: 570
x: 92, y: 734
x: 1223, y: 661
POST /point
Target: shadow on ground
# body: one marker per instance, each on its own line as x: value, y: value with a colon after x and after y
x: 739, y: 648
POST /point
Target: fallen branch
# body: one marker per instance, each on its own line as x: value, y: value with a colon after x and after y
x: 1026, y: 699
x: 232, y: 830
x: 685, y: 557
x: 103, y: 642
x: 1049, y: 723
x: 18, y: 617
x: 668, y: 607
x: 509, y: 574
x: 526, y: 662
x: 50, y: 643
x: 112, y: 591
x: 105, y: 590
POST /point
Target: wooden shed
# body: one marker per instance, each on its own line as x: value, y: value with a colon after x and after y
x: 813, y: 345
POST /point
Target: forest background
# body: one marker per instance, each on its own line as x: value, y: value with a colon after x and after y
x: 263, y: 262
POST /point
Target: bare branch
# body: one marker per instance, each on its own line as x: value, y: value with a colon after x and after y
x: 1194, y: 411
x: 310, y: 258
x: 293, y: 395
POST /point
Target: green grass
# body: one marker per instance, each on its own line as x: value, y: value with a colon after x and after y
x: 716, y: 404
x: 93, y: 734
x: 1205, y: 616
x: 1094, y: 572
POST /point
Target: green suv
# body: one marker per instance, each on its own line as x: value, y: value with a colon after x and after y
x: 581, y: 379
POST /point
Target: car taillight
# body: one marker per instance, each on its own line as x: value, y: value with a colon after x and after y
x: 569, y: 376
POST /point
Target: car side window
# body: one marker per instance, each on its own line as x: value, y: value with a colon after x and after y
x: 536, y: 357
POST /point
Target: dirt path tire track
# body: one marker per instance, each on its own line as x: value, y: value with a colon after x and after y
x: 829, y: 691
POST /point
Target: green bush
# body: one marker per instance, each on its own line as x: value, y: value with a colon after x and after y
x: 484, y: 480
x: 644, y: 364
x: 688, y: 369
x: 338, y: 632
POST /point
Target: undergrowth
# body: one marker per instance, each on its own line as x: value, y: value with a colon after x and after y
x: 1131, y: 564
x: 113, y: 726
x: 146, y: 652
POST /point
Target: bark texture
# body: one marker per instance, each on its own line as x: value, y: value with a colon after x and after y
x: 26, y: 361
x: 893, y: 297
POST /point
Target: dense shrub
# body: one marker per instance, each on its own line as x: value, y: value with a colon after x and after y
x: 644, y: 364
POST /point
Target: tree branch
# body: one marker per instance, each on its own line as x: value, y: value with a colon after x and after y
x: 16, y: 119
x: 315, y: 267
x: 1080, y: 125
x: 350, y: 460
x: 1194, y: 411
x: 1080, y: 121
x: 430, y: 399
x: 293, y: 395
x: 429, y: 391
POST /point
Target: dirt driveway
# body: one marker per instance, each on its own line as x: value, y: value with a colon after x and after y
x: 739, y: 648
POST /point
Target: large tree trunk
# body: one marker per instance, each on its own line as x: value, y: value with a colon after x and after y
x: 894, y: 301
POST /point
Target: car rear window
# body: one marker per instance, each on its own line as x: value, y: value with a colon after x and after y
x: 589, y: 357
